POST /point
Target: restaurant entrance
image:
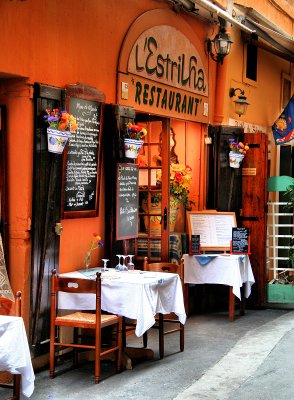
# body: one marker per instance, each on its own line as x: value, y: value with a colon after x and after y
x: 154, y: 204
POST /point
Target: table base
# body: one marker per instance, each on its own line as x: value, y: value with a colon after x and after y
x: 232, y: 299
x: 131, y: 354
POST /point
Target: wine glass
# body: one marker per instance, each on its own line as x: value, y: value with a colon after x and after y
x: 130, y: 264
x: 123, y: 266
x: 105, y: 264
x: 119, y: 265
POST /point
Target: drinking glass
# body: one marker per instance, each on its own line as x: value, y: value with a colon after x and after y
x: 119, y: 265
x: 130, y: 264
x: 105, y: 264
x: 123, y: 266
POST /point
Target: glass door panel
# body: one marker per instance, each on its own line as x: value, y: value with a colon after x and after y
x: 153, y: 191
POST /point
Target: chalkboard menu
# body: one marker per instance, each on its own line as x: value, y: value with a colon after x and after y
x: 195, y: 244
x: 82, y: 166
x: 127, y: 201
x: 240, y: 240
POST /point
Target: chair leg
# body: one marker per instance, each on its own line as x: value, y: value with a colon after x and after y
x: 145, y: 339
x: 52, y: 358
x: 119, y: 344
x: 182, y: 332
x: 97, y: 356
x: 16, y: 386
x: 75, y: 350
x: 161, y: 336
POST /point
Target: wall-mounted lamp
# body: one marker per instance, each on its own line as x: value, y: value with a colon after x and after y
x: 241, y: 103
x: 222, y: 45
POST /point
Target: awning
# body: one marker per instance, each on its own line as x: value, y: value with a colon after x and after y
x: 283, y: 128
x: 270, y: 37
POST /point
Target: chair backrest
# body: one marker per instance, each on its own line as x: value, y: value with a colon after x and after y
x: 165, y: 267
x: 11, y: 307
x: 75, y: 285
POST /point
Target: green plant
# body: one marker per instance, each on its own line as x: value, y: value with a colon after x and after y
x: 289, y: 194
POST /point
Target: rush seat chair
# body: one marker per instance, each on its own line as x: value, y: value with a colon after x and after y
x: 80, y: 320
x: 13, y: 308
x: 162, y: 321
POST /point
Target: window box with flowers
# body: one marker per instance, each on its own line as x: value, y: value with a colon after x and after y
x: 180, y: 181
x: 133, y: 140
x: 237, y: 153
x: 61, y: 125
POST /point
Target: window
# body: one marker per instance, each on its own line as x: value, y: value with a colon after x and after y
x: 251, y: 62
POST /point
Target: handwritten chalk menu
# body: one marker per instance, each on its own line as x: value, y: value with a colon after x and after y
x: 195, y: 244
x: 127, y: 201
x: 214, y: 228
x: 83, y: 161
x: 240, y: 240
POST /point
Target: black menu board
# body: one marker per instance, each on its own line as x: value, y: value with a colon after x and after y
x: 127, y: 201
x: 82, y: 166
x: 195, y: 244
x: 240, y: 240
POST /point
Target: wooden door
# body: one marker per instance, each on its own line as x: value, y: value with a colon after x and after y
x: 47, y: 178
x: 254, y: 200
x: 154, y: 209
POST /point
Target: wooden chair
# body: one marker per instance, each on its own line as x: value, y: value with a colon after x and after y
x: 82, y: 320
x: 163, y: 320
x: 13, y: 308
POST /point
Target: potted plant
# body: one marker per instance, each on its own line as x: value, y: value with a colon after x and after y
x: 61, y: 125
x: 237, y: 152
x: 133, y: 140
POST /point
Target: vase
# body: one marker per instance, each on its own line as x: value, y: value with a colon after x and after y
x: 57, y: 140
x: 235, y: 159
x: 132, y: 147
x: 155, y: 221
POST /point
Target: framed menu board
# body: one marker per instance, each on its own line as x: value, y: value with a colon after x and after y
x: 240, y: 241
x: 214, y: 228
x: 127, y: 201
x: 82, y: 161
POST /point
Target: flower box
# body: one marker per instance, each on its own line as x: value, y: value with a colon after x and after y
x: 280, y: 293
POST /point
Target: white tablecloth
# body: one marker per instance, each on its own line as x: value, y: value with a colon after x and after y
x: 136, y: 295
x: 14, y: 352
x: 229, y: 269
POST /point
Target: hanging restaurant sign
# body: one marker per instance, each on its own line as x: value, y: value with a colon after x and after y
x: 165, y: 75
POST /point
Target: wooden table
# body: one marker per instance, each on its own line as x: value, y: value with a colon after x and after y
x: 137, y: 295
x: 225, y: 269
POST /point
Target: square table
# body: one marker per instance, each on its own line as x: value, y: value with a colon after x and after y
x: 224, y: 269
x: 137, y: 295
x: 14, y: 352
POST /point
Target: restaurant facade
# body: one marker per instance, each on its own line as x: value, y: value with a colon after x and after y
x: 116, y: 62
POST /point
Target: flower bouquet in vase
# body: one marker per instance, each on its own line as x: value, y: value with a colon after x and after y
x: 61, y: 125
x: 95, y: 243
x: 179, y: 184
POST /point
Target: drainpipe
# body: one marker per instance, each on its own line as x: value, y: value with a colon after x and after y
x: 220, y: 85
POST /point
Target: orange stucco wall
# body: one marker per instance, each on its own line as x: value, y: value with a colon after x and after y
x: 58, y: 43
